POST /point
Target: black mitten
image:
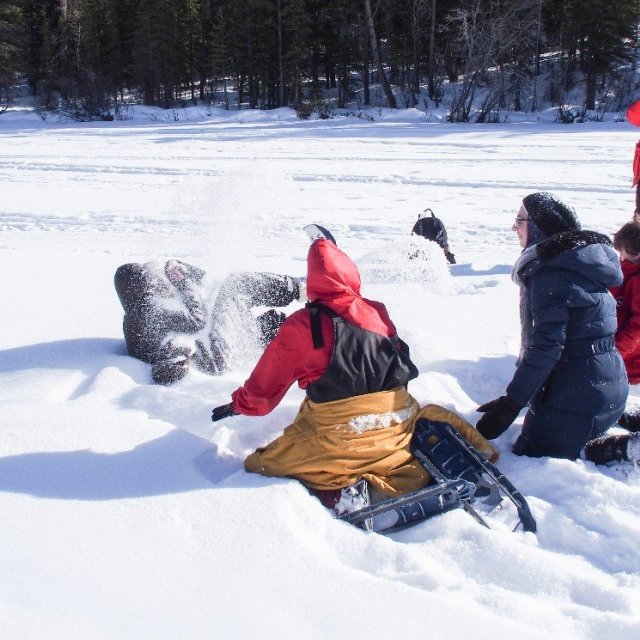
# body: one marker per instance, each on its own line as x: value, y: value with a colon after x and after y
x: 499, y: 414
x: 450, y: 257
x: 169, y: 372
x: 172, y: 364
x: 224, y: 411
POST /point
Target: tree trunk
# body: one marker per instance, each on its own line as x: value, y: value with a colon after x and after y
x: 365, y: 68
x: 534, y: 100
x: 432, y: 46
x: 280, y: 58
x: 590, y: 97
x: 391, y: 101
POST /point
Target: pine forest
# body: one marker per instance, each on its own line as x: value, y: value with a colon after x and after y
x: 92, y: 57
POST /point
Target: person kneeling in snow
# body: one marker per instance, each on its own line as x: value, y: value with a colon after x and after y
x: 569, y: 371
x: 433, y: 229
x: 354, y: 428
x: 168, y: 323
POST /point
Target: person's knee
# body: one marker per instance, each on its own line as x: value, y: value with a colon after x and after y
x: 553, y: 441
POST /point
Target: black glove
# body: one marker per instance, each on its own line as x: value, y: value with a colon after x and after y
x: 450, y: 257
x: 224, y: 411
x: 498, y: 416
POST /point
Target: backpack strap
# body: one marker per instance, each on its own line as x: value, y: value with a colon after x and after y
x: 315, y: 310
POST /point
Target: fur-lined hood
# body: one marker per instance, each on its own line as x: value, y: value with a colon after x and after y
x: 588, y: 253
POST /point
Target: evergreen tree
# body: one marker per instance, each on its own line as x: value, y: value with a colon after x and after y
x: 373, y: 39
x: 159, y: 51
x: 296, y: 50
x: 12, y: 46
x: 602, y: 33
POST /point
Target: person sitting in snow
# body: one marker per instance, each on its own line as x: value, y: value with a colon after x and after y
x: 168, y: 323
x: 354, y: 428
x: 433, y: 229
x: 569, y: 372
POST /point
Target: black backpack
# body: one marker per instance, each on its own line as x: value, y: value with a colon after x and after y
x: 431, y: 228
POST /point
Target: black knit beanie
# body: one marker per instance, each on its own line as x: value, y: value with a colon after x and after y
x: 550, y: 214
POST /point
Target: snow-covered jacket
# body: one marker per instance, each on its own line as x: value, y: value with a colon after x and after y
x: 333, y: 281
x: 627, y: 297
x: 568, y: 322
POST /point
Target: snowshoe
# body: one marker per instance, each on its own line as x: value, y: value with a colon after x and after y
x: 395, y: 514
x: 448, y: 456
x: 316, y: 232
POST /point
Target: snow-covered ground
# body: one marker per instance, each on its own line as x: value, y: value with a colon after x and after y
x: 125, y: 512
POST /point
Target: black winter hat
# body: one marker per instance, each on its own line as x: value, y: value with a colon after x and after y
x: 550, y: 214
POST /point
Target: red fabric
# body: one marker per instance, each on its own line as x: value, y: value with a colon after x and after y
x: 334, y: 280
x: 627, y: 297
x: 633, y: 114
x: 636, y: 165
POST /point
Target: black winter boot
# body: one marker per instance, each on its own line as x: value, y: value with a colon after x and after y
x: 630, y: 421
x: 605, y: 449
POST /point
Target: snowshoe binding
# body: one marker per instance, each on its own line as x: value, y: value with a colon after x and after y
x: 395, y: 514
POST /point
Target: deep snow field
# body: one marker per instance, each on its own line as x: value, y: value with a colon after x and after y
x: 125, y: 513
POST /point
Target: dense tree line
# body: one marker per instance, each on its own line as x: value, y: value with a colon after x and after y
x: 92, y: 55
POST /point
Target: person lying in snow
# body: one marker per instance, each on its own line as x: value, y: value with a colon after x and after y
x: 354, y: 428
x: 569, y: 372
x: 168, y: 323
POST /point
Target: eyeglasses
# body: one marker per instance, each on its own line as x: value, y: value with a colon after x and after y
x: 519, y: 220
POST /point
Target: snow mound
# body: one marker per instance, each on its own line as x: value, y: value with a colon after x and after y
x: 407, y: 260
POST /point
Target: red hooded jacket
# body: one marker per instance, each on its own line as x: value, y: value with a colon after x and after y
x: 334, y: 281
x: 627, y: 297
x: 636, y: 165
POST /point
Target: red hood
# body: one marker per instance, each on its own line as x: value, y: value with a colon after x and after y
x: 333, y: 280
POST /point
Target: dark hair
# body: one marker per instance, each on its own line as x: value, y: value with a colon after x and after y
x: 628, y: 238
